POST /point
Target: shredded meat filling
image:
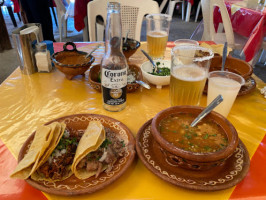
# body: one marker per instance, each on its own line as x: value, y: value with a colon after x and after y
x: 108, y: 153
x: 55, y: 167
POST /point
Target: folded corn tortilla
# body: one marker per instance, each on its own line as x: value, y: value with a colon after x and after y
x: 59, y: 132
x: 91, y: 140
x: 39, y: 145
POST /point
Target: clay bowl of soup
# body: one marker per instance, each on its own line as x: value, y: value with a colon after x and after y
x: 134, y: 73
x: 72, y: 62
x: 234, y: 65
x: 207, y: 145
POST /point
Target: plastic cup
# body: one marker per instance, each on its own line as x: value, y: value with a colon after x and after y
x: 157, y: 34
x: 228, y: 85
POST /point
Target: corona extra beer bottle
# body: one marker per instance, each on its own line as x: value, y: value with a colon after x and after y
x: 114, y: 65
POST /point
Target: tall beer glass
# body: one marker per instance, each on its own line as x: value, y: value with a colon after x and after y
x: 157, y: 34
x: 189, y: 71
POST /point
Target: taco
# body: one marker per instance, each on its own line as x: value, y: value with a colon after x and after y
x: 56, y: 163
x: 40, y: 144
x: 98, y: 150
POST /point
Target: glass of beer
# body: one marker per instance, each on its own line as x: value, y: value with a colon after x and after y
x: 157, y: 34
x: 189, y: 71
x: 228, y: 85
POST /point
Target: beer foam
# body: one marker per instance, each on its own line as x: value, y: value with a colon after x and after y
x: 157, y: 34
x: 191, y: 72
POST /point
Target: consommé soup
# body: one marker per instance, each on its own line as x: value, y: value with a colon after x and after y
x: 206, y: 136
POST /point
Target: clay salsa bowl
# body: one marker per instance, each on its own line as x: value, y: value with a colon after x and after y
x: 94, y: 78
x: 72, y: 62
x: 234, y: 65
x: 130, y: 47
x: 194, y: 160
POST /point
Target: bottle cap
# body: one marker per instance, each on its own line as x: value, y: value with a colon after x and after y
x: 113, y: 7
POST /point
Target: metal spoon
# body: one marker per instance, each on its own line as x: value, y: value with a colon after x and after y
x: 155, y: 69
x: 224, y: 55
x: 143, y: 84
x: 92, y: 51
x: 125, y: 40
x: 208, y: 109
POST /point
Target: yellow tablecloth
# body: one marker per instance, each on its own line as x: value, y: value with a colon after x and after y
x: 31, y: 100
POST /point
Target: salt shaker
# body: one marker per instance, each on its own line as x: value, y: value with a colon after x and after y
x: 43, y: 58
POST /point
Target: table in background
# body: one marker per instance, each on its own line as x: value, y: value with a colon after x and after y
x: 31, y: 100
x: 248, y: 20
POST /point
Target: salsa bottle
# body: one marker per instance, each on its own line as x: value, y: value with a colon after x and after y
x: 114, y: 65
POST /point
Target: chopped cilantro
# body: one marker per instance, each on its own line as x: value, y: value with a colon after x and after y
x: 123, y: 143
x: 206, y: 136
x: 161, y: 71
x: 207, y: 148
x: 188, y: 136
x: 105, y: 143
x: 174, y: 131
x: 64, y: 142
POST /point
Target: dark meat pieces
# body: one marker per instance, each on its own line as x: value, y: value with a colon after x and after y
x: 106, y: 155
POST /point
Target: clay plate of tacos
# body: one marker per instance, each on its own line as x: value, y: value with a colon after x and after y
x: 76, y: 154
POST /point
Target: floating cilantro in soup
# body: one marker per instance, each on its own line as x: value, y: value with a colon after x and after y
x: 206, y: 137
x: 161, y: 70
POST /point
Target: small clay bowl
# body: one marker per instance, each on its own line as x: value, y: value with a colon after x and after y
x: 192, y: 160
x: 94, y: 78
x: 234, y: 65
x: 72, y: 62
x: 130, y: 47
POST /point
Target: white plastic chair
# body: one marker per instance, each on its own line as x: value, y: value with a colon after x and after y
x: 262, y: 57
x: 209, y: 31
x: 197, y: 12
x: 61, y: 19
x: 171, y: 7
x: 132, y: 13
x: 234, y: 40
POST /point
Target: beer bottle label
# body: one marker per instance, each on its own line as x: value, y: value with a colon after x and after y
x: 114, y: 84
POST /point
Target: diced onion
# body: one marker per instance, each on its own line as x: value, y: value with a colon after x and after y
x: 50, y: 160
x: 57, y: 153
x: 66, y: 133
x: 63, y: 151
x: 103, y: 156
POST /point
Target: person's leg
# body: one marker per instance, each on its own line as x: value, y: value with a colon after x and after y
x: 38, y: 12
x: 27, y: 10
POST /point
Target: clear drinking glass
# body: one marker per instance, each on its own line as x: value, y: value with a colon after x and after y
x: 189, y: 71
x: 157, y: 34
x: 228, y: 85
x: 186, y: 42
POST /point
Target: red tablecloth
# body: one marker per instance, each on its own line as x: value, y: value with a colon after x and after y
x: 246, y: 22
